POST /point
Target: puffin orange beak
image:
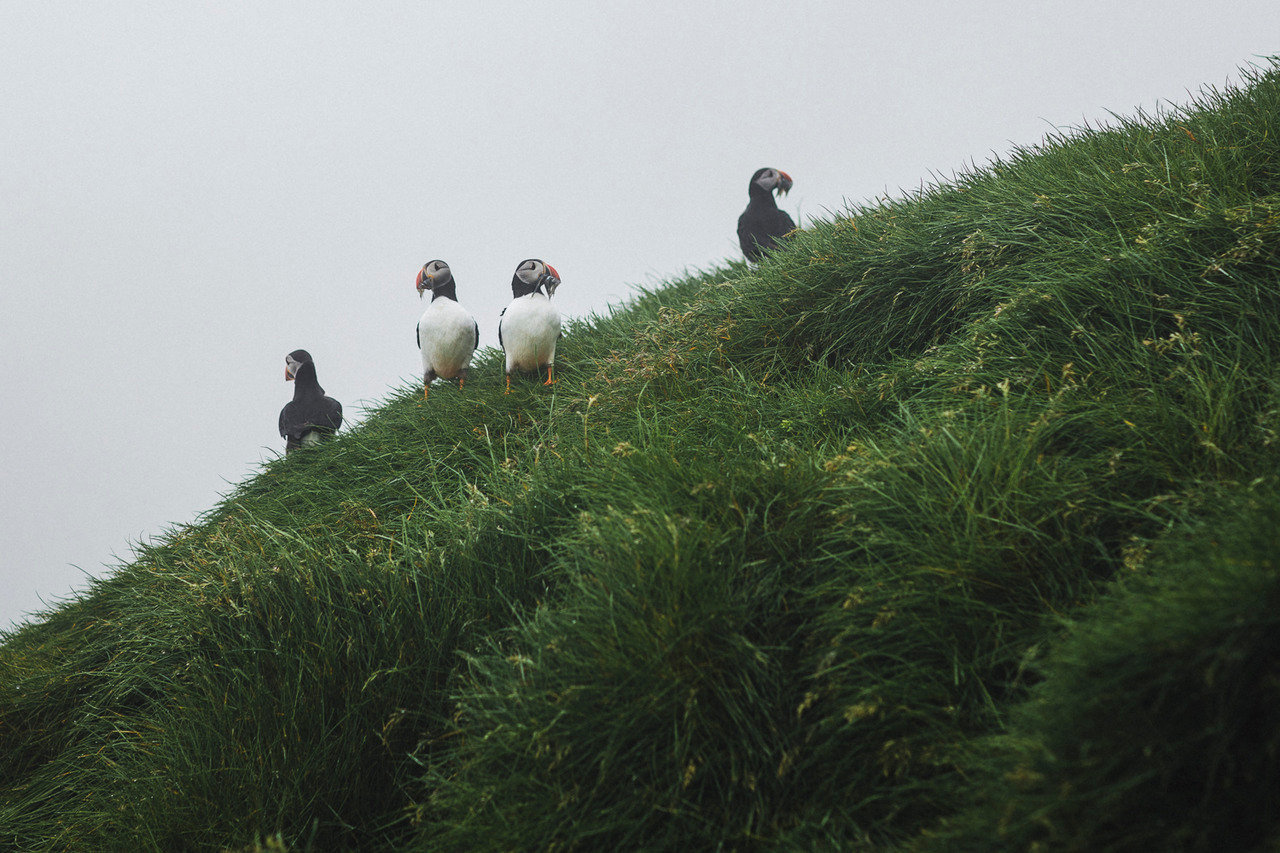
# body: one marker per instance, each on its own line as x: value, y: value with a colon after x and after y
x: 552, y: 280
x: 785, y: 186
x: 421, y: 283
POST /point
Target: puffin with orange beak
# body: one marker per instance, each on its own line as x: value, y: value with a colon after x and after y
x: 529, y: 326
x: 310, y: 417
x: 447, y: 333
x: 762, y: 223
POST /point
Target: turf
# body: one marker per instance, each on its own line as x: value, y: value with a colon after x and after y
x: 950, y: 525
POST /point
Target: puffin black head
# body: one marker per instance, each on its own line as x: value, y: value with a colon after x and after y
x: 293, y: 362
x: 434, y: 276
x: 767, y: 180
x: 533, y: 275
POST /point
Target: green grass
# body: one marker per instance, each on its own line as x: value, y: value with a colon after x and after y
x: 950, y: 526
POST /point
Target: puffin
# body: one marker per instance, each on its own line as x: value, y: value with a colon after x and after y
x: 762, y: 223
x: 447, y: 333
x: 529, y: 326
x: 310, y: 417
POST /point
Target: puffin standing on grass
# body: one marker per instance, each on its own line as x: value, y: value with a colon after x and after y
x: 529, y: 326
x: 447, y: 333
x: 310, y: 417
x: 762, y: 223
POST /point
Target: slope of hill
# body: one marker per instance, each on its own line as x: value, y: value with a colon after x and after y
x: 951, y: 526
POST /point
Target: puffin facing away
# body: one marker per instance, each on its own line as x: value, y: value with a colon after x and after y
x: 529, y: 326
x: 310, y: 417
x: 762, y: 223
x: 447, y: 333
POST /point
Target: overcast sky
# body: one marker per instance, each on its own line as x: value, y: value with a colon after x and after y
x: 191, y: 190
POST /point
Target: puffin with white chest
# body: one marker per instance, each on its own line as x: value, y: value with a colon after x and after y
x: 529, y: 326
x: 310, y: 417
x: 763, y: 223
x: 447, y: 333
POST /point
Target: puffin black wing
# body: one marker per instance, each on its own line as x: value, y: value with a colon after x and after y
x: 759, y: 230
x: 297, y: 420
x: 293, y: 425
x: 477, y: 327
x: 328, y: 415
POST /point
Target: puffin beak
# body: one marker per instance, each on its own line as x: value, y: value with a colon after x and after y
x: 552, y: 280
x: 288, y: 377
x: 784, y: 185
x: 421, y: 283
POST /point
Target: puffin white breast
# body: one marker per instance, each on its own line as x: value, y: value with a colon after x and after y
x: 529, y: 328
x: 447, y: 332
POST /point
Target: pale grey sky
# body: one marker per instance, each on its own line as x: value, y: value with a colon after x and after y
x: 191, y: 190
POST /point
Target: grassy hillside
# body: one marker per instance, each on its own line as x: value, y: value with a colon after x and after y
x: 952, y: 526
